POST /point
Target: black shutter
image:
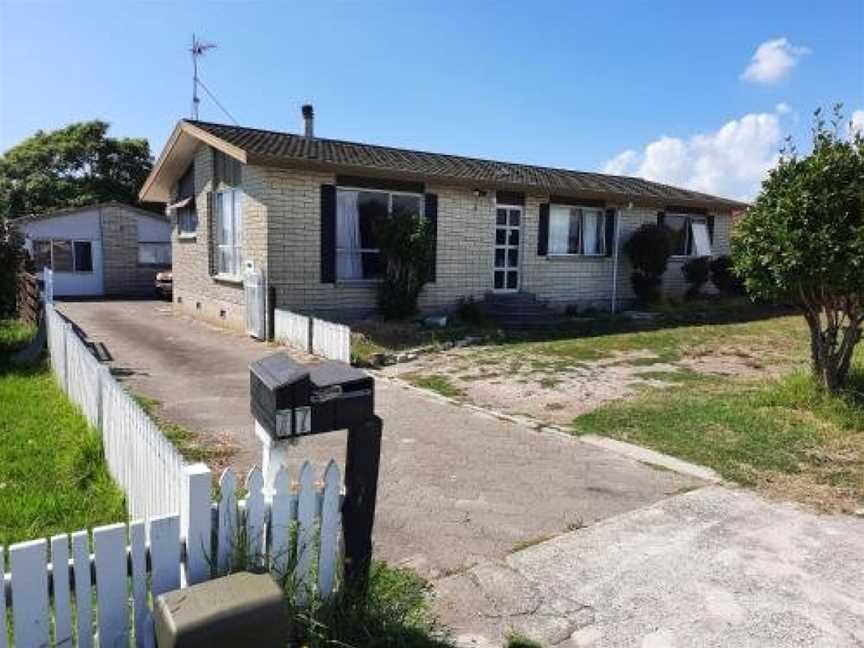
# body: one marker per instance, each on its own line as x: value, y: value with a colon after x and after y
x: 661, y: 219
x: 328, y: 233
x: 610, y: 231
x: 211, y: 241
x: 711, y: 229
x: 431, y: 202
x: 543, y: 230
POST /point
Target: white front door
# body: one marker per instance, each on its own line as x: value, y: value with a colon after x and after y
x: 508, y: 222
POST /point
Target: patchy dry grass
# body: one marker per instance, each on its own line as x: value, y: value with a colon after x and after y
x: 216, y: 454
x: 434, y: 382
x: 733, y: 395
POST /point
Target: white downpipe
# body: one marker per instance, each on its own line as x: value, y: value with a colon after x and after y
x: 618, y: 219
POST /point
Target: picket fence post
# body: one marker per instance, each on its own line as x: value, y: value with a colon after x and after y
x: 67, y: 331
x: 196, y: 523
x: 103, y: 375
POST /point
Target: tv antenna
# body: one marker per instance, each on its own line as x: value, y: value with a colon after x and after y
x: 198, y: 50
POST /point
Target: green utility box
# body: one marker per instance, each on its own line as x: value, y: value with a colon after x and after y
x: 242, y: 609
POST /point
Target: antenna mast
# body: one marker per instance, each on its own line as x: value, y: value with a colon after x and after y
x: 198, y: 49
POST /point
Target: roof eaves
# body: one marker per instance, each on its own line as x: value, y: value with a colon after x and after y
x: 65, y: 211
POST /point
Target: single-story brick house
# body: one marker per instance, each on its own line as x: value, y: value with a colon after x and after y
x: 296, y: 208
x: 101, y: 249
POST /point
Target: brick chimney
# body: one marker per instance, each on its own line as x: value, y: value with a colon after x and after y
x: 308, y: 120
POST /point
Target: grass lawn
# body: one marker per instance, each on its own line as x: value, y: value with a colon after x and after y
x: 720, y: 384
x: 52, y: 473
x: 783, y: 435
x: 14, y: 334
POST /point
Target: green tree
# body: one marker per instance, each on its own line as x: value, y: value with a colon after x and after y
x: 11, y: 258
x: 802, y: 241
x: 407, y: 247
x: 73, y: 166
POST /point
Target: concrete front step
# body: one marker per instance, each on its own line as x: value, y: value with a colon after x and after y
x: 519, y: 311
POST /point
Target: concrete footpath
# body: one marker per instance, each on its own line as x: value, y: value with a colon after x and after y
x: 714, y: 567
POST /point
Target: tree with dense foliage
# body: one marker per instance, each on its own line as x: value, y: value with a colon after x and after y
x: 649, y: 249
x: 12, y: 256
x: 723, y: 276
x: 70, y: 167
x: 802, y: 241
x: 407, y: 247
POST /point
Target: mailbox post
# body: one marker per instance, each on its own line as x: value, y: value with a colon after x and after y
x: 290, y: 400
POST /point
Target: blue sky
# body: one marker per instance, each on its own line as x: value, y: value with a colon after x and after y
x: 656, y: 88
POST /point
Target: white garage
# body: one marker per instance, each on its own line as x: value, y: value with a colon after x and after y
x: 97, y: 250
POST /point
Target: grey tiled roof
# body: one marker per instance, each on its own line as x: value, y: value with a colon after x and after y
x: 288, y: 147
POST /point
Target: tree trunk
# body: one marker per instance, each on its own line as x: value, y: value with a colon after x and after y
x: 831, y: 349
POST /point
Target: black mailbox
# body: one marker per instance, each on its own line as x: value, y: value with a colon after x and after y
x: 291, y: 399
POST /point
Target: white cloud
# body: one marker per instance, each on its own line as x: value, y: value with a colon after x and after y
x: 731, y: 161
x: 621, y: 163
x: 782, y: 108
x: 856, y: 124
x: 773, y: 60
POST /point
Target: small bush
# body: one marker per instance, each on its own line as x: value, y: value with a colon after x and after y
x: 646, y: 287
x: 696, y: 273
x: 406, y: 241
x: 724, y: 278
x: 649, y: 249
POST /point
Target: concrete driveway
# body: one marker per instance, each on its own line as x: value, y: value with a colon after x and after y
x: 457, y: 487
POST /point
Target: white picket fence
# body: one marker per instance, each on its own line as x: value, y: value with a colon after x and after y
x: 101, y: 596
x: 313, y: 335
x: 331, y: 340
x: 140, y: 459
x: 292, y: 329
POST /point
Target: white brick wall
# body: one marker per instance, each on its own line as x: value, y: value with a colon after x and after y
x: 281, y: 212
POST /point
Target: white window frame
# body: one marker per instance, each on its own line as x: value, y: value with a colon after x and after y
x: 581, y: 208
x: 692, y: 218
x: 188, y: 210
x: 235, y: 246
x: 74, y: 264
x: 361, y: 251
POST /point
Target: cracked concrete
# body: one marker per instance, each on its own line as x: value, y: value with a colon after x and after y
x: 715, y: 567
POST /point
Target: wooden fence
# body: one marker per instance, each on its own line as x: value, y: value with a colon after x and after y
x: 141, y: 460
x: 63, y: 589
x: 27, y: 300
x: 312, y: 335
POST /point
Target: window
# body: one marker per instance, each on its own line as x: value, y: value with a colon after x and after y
x: 62, y: 259
x: 156, y: 254
x: 83, y: 256
x: 689, y: 234
x: 226, y: 169
x: 187, y: 220
x: 228, y: 235
x: 63, y: 255
x: 358, y: 213
x: 577, y: 230
x: 187, y: 217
